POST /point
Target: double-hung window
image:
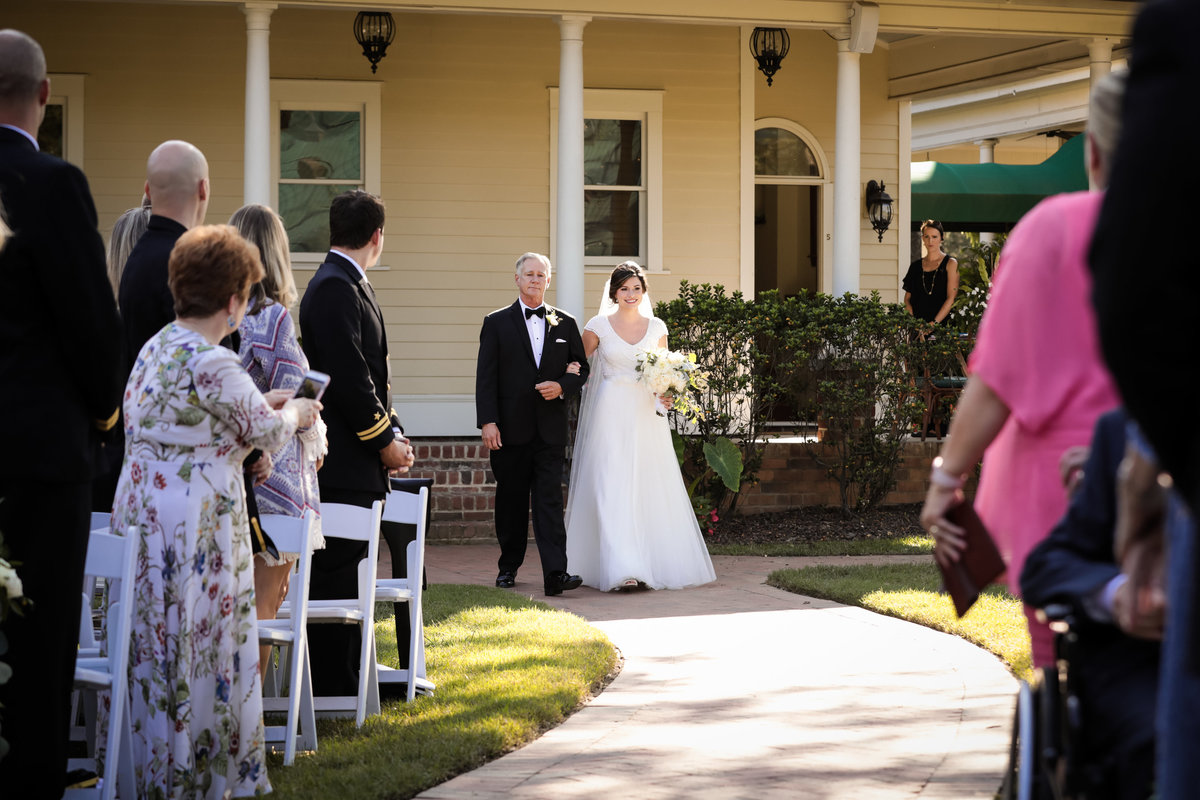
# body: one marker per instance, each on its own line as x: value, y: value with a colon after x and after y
x: 622, y: 176
x: 325, y: 141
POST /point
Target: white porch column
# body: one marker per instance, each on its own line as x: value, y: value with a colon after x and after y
x: 1099, y: 58
x: 987, y: 150
x: 987, y: 155
x: 847, y: 186
x: 256, y: 161
x: 568, y: 269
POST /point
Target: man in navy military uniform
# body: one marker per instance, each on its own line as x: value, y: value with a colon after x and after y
x: 61, y: 373
x: 343, y: 335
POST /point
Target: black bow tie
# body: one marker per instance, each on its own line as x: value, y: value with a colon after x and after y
x: 540, y: 311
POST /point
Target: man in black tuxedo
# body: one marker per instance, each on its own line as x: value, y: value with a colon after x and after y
x: 343, y: 335
x: 60, y: 369
x: 1115, y: 671
x: 1145, y: 309
x: 521, y: 382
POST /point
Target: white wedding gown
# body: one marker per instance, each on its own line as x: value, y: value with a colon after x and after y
x: 628, y: 512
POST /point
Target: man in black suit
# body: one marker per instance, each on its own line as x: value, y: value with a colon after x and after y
x: 343, y: 335
x: 1148, y: 327
x: 521, y: 382
x: 178, y: 188
x: 1116, y: 671
x: 60, y: 369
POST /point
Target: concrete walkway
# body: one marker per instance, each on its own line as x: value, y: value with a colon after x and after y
x: 739, y: 690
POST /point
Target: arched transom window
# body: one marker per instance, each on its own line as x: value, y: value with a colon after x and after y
x: 779, y: 152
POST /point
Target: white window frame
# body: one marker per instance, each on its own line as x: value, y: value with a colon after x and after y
x: 67, y: 91
x: 810, y: 141
x: 361, y: 96
x: 640, y: 104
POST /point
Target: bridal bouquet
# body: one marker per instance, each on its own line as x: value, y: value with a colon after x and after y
x: 671, y: 372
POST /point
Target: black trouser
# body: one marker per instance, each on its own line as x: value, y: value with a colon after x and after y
x: 525, y: 473
x: 335, y: 649
x: 45, y: 528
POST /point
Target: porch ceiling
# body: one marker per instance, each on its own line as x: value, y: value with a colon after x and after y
x: 1038, y: 18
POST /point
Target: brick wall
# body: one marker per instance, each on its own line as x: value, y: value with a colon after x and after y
x: 790, y: 478
x: 464, y: 488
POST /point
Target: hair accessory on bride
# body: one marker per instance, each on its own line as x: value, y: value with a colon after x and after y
x: 607, y: 306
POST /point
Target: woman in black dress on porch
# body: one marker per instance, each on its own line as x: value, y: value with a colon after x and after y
x: 931, y: 283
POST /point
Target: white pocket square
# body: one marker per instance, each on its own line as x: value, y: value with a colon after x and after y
x: 560, y: 341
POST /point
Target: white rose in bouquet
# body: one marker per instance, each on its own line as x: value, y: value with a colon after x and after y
x: 670, y: 372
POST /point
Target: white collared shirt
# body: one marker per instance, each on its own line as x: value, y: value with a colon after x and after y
x: 536, y: 326
x: 362, y: 273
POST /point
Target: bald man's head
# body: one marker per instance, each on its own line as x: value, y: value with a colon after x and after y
x: 24, y: 88
x: 177, y: 182
x: 22, y: 66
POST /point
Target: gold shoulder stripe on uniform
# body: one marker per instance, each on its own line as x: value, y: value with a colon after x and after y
x: 374, y: 430
x: 106, y: 424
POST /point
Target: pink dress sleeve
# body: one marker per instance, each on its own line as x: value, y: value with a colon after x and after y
x: 1037, y: 344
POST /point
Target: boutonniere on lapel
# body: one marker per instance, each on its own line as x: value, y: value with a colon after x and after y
x: 551, y: 318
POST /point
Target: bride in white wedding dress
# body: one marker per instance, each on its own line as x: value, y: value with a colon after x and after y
x: 629, y: 519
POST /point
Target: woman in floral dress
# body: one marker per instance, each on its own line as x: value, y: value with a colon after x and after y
x: 273, y: 358
x: 192, y: 414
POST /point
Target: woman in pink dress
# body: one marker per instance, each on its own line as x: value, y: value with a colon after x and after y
x: 1037, y: 381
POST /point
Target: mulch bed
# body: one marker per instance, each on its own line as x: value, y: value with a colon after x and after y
x: 816, y: 524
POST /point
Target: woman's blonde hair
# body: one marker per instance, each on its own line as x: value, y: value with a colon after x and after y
x: 262, y: 227
x: 126, y: 231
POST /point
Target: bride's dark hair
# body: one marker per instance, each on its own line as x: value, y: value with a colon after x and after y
x: 624, y: 271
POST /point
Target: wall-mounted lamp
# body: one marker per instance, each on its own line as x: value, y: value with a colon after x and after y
x: 879, y: 207
x: 374, y: 31
x: 769, y: 46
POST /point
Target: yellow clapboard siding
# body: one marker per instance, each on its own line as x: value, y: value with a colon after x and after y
x: 466, y: 133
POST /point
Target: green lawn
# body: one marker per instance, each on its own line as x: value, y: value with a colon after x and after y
x: 910, y: 591
x: 879, y: 546
x: 506, y: 668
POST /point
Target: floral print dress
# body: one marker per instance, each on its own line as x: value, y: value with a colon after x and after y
x: 191, y: 415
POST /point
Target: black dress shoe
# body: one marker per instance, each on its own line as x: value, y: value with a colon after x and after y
x: 559, y: 582
x: 506, y: 580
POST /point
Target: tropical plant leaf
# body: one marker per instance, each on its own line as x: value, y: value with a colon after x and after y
x: 725, y: 459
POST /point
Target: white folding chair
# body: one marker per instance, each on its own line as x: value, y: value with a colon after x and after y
x: 290, y: 633
x: 408, y: 508
x: 89, y: 644
x: 93, y: 586
x: 341, y: 521
x: 113, y: 558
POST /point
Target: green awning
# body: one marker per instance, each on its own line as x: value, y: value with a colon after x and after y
x: 992, y: 196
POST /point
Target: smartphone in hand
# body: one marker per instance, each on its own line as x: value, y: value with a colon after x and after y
x: 313, y: 385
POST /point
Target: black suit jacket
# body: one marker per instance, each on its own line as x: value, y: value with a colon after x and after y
x: 1117, y: 674
x: 60, y: 336
x: 146, y: 301
x: 343, y: 335
x: 506, y: 374
x: 1146, y: 300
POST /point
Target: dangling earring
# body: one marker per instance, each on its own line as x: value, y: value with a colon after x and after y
x: 230, y: 322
